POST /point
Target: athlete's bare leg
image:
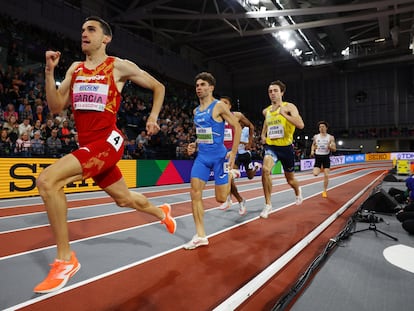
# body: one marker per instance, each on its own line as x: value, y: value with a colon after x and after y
x: 316, y: 171
x: 235, y: 192
x: 50, y: 184
x: 197, y: 186
x: 293, y: 182
x: 124, y: 197
x: 326, y: 178
x: 266, y: 179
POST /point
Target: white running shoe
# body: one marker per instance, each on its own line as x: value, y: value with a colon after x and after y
x: 236, y: 173
x: 242, y: 208
x: 299, y: 198
x: 226, y: 205
x: 195, y: 242
x: 257, y: 165
x: 266, y: 210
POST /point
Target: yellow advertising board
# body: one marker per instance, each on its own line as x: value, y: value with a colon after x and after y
x: 18, y: 177
x: 377, y: 156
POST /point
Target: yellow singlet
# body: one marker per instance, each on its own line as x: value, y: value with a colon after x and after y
x: 279, y: 130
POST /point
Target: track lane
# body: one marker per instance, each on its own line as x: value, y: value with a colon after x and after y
x: 81, y: 228
x: 230, y: 214
x: 207, y: 275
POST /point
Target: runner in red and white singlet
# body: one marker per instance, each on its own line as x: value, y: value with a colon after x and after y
x: 93, y: 88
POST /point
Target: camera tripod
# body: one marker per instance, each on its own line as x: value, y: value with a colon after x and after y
x: 373, y: 227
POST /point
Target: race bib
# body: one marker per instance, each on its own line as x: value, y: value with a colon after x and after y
x: 204, y: 135
x: 228, y: 134
x: 275, y: 131
x: 116, y: 140
x: 90, y: 96
x: 226, y: 167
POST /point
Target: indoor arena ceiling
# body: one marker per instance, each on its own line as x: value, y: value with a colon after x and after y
x: 285, y: 33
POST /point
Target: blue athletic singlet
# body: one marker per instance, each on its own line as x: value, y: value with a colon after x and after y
x: 210, y: 133
x: 211, y: 150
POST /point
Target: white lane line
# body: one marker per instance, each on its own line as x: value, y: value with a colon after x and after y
x: 235, y: 300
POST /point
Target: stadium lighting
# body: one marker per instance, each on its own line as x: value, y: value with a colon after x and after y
x: 289, y: 44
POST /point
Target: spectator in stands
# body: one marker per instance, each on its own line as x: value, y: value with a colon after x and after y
x: 130, y: 148
x: 5, y: 144
x: 25, y: 127
x: 142, y: 138
x: 38, y: 89
x: 162, y: 143
x: 27, y: 112
x: 57, y: 121
x: 76, y: 139
x: 10, y: 110
x: 141, y: 151
x: 72, y: 124
x: 12, y: 127
x: 64, y: 131
x: 140, y: 106
x: 47, y: 130
x: 38, y: 145
x: 40, y: 113
x: 53, y: 144
x: 23, y: 146
x: 68, y: 145
x: 37, y: 126
x: 31, y: 98
x: 180, y: 150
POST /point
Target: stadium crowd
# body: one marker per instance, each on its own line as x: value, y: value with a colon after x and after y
x: 29, y: 129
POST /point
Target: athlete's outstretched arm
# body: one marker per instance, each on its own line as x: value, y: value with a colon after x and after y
x: 246, y: 122
x: 127, y: 70
x: 57, y: 98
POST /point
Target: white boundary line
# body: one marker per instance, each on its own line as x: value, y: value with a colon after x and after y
x: 251, y: 287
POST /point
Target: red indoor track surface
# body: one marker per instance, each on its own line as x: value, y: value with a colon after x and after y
x: 173, y: 278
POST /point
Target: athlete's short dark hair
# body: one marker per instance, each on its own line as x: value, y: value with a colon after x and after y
x: 228, y: 99
x: 206, y: 76
x: 282, y: 86
x: 323, y: 122
x: 104, y: 25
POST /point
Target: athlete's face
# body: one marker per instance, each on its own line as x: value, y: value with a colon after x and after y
x: 227, y: 102
x: 203, y: 89
x: 93, y: 37
x: 275, y: 94
x: 322, y: 128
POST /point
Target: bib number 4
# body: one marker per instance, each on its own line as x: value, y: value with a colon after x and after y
x: 116, y: 140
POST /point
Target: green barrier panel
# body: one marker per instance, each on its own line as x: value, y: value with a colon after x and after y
x: 277, y: 168
x: 149, y: 171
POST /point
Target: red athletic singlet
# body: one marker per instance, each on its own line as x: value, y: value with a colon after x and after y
x: 228, y: 136
x: 95, y: 101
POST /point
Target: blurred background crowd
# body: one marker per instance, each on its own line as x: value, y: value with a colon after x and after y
x: 29, y: 129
